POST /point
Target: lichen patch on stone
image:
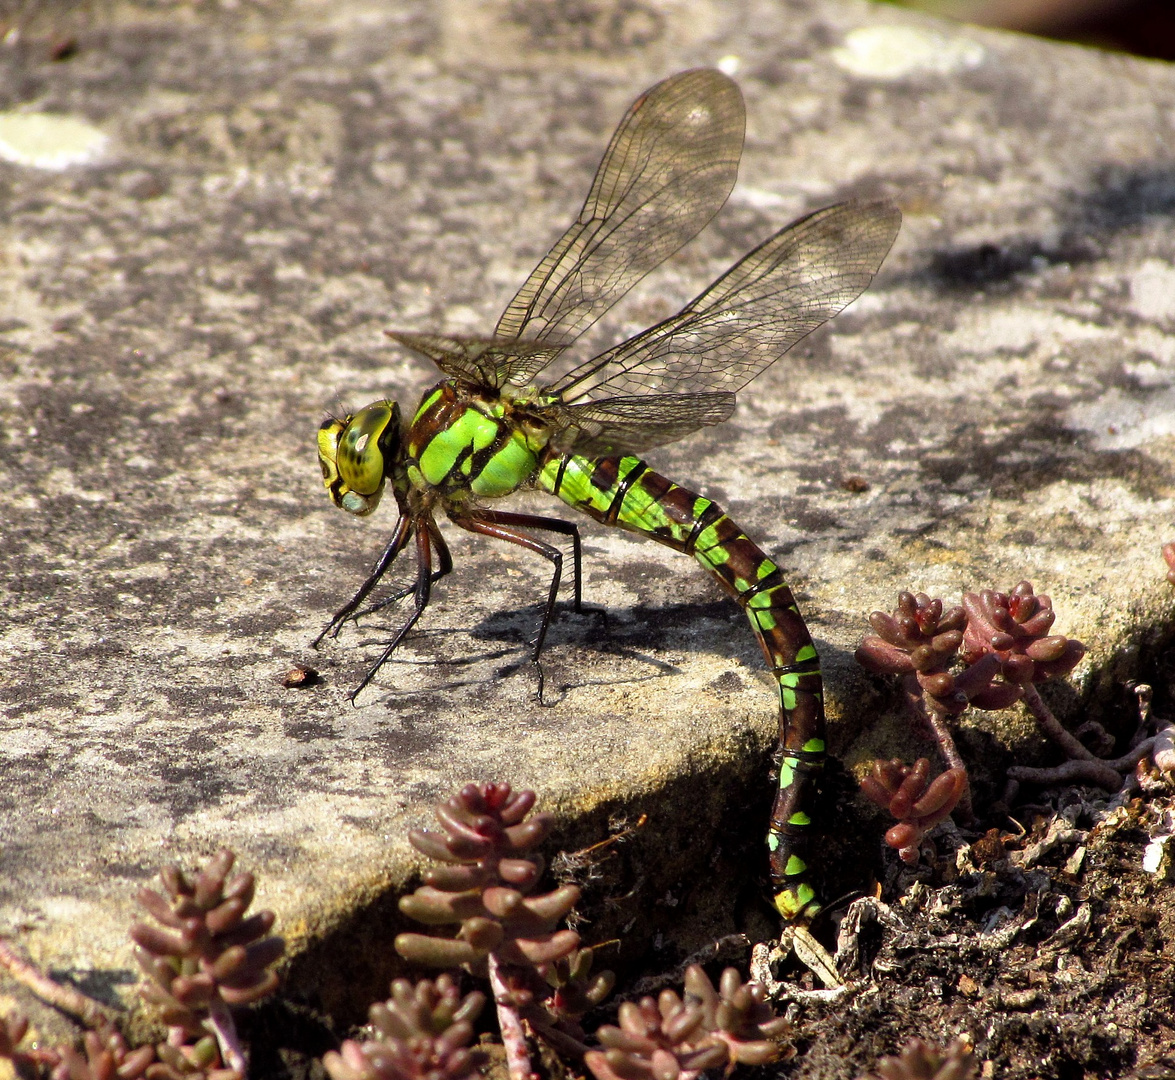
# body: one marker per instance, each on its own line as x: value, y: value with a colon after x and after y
x: 47, y: 141
x: 893, y: 52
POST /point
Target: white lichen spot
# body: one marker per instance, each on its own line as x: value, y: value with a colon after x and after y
x: 1155, y: 857
x: 1152, y: 291
x: 1120, y: 421
x: 1017, y: 328
x: 757, y: 198
x: 48, y: 141
x: 893, y: 52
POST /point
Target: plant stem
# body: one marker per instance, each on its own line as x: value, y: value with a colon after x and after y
x: 1135, y: 755
x: 221, y: 1022
x: 916, y: 702
x: 1096, y: 772
x: 510, y: 1025
x: 66, y: 998
x: 560, y: 1040
x: 1051, y: 726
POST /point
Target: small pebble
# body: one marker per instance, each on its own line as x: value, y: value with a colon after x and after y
x: 300, y: 676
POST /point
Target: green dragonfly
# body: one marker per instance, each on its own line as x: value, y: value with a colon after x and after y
x: 509, y: 415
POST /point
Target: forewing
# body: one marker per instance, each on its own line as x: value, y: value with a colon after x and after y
x: 487, y: 362
x: 669, y: 168
x: 754, y: 313
x: 633, y: 425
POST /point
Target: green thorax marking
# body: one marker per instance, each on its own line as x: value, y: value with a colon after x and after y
x: 462, y: 441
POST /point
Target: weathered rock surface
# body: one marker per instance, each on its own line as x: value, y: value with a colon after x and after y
x: 275, y: 187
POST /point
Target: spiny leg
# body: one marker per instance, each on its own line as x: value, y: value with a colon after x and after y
x: 502, y: 525
x: 555, y: 525
x: 445, y: 569
x: 424, y: 580
x: 396, y: 544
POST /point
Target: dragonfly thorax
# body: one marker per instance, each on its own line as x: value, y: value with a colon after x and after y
x: 461, y: 441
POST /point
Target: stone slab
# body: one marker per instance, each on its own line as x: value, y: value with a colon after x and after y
x: 260, y: 192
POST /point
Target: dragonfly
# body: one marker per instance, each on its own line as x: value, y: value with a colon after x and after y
x: 515, y: 411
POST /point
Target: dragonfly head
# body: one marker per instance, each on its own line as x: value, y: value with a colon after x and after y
x: 358, y: 454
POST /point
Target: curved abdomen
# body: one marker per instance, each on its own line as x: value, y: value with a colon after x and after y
x: 623, y: 491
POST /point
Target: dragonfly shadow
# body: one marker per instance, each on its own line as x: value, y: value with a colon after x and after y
x: 418, y: 637
x: 634, y: 635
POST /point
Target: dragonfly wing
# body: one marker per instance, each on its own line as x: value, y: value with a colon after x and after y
x: 636, y: 424
x: 479, y: 361
x: 666, y: 173
x: 754, y: 313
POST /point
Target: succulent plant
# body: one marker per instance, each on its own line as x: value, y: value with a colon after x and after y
x: 1003, y: 641
x: 657, y: 1040
x: 921, y: 642
x: 26, y: 1064
x: 104, y: 1056
x: 191, y: 1060
x: 918, y: 802
x: 422, y: 1032
x: 576, y: 990
x: 679, y: 1037
x: 486, y: 886
x: 506, y: 930
x: 920, y: 1060
x: 205, y: 958
x: 1014, y: 627
x: 738, y: 1014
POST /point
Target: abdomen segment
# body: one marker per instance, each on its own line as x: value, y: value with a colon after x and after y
x: 623, y: 491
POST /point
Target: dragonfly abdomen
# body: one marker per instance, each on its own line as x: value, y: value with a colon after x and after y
x: 624, y: 491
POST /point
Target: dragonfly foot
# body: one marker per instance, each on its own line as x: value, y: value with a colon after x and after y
x: 591, y: 611
x: 387, y: 601
x: 542, y: 682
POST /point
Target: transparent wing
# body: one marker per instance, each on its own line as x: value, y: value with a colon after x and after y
x: 754, y: 313
x: 633, y: 425
x: 666, y: 173
x: 479, y: 361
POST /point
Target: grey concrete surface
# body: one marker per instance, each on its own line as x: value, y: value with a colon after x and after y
x: 207, y: 267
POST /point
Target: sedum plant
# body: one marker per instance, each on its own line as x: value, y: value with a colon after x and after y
x: 422, y: 1032
x: 680, y: 1037
x: 507, y: 931
x: 988, y: 653
x: 202, y: 957
x: 920, y: 1060
x: 918, y: 802
x: 104, y: 1056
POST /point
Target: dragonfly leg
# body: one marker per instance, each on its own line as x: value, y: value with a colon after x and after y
x: 445, y: 568
x: 555, y: 525
x: 421, y: 591
x: 400, y: 537
x: 503, y: 526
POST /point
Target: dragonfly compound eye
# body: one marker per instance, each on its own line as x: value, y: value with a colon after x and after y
x: 356, y: 455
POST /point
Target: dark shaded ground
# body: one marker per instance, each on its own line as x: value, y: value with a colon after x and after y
x: 1052, y: 953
